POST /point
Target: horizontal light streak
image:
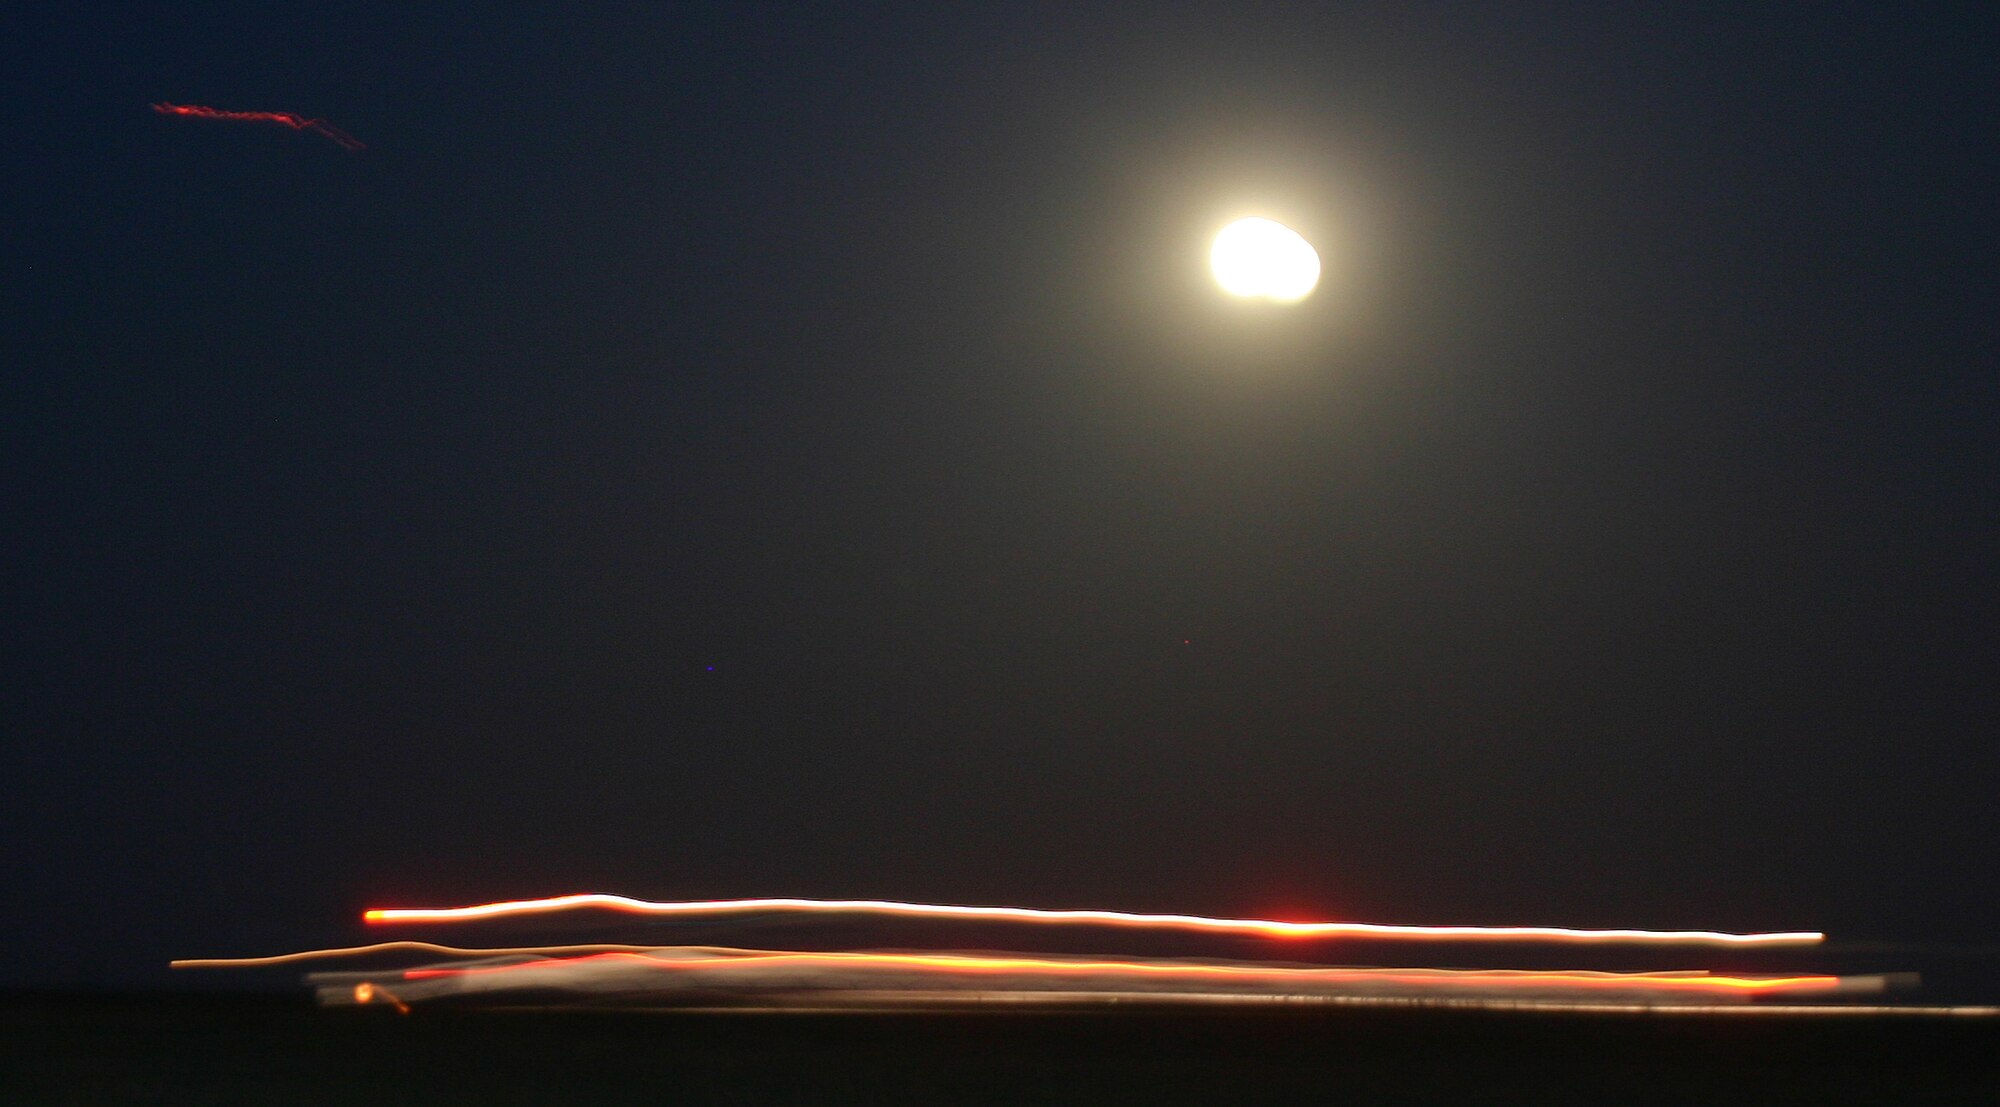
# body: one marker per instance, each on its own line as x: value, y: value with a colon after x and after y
x: 399, y: 947
x: 1102, y: 969
x: 1269, y: 927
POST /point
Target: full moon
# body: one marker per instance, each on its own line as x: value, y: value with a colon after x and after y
x: 1262, y: 259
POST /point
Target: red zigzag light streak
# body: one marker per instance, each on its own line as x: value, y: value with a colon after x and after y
x: 283, y: 118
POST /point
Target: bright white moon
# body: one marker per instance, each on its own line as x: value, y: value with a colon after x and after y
x: 1264, y: 259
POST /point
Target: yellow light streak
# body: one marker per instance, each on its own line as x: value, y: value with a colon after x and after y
x: 1268, y: 927
x: 983, y: 965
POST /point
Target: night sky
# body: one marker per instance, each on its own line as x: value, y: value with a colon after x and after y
x: 736, y: 450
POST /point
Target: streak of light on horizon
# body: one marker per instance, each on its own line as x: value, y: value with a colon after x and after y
x: 1269, y: 927
x: 706, y: 957
x: 411, y: 947
x: 971, y: 964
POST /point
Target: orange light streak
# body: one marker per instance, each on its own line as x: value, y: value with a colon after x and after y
x: 410, y: 947
x: 1269, y: 927
x: 971, y: 965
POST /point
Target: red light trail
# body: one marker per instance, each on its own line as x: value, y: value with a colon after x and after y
x: 1269, y: 927
x: 282, y: 118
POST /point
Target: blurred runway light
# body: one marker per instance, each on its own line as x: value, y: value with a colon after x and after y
x: 702, y: 976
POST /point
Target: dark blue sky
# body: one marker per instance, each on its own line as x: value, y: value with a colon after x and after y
x: 703, y: 451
